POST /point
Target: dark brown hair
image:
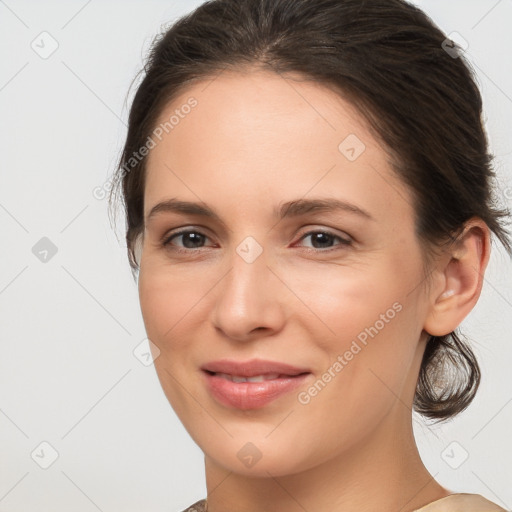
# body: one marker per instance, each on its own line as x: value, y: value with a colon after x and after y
x: 392, y: 62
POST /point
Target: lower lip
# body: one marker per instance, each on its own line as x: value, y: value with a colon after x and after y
x: 251, y: 395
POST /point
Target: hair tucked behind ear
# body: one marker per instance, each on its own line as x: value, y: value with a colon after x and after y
x: 387, y: 58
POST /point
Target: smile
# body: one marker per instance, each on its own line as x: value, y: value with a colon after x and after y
x: 251, y: 384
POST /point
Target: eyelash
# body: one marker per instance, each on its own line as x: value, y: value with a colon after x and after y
x: 166, y: 242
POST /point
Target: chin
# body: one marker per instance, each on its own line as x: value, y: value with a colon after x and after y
x: 254, y: 462
x: 258, y: 455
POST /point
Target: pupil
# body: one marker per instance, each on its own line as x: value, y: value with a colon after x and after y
x: 195, y: 238
x: 319, y: 236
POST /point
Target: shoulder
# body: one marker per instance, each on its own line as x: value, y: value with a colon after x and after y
x: 462, y: 502
x: 198, y: 506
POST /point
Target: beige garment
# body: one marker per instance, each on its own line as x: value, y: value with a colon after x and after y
x: 461, y: 502
x: 199, y: 506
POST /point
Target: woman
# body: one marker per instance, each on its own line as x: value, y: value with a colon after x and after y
x: 308, y: 198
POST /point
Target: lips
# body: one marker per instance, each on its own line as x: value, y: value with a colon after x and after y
x: 255, y: 378
x: 251, y: 384
x: 252, y: 368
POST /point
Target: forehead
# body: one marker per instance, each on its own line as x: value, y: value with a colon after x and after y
x: 258, y: 99
x: 260, y: 133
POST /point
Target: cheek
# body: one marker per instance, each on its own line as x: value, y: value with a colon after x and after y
x: 366, y: 327
x: 346, y: 302
x: 169, y: 298
x: 168, y: 301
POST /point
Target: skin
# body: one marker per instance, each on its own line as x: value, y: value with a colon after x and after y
x: 254, y: 141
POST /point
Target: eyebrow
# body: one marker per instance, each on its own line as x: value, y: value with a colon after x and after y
x: 294, y: 208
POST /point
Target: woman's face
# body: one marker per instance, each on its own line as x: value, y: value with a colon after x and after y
x: 257, y: 273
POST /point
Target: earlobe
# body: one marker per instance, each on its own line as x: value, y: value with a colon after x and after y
x: 462, y: 271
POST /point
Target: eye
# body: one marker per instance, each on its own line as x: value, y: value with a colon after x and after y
x: 190, y: 239
x: 322, y: 239
x: 193, y: 239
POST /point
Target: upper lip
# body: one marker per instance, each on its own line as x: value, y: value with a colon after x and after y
x: 252, y: 367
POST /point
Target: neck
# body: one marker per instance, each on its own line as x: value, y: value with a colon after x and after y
x: 383, y: 472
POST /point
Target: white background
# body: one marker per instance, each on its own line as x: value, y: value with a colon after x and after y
x: 68, y: 327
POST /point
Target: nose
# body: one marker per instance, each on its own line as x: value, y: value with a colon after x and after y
x: 247, y: 300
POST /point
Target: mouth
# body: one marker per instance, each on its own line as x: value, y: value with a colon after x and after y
x: 256, y: 378
x: 251, y: 384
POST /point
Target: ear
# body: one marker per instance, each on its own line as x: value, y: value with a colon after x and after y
x: 460, y: 275
x: 138, y: 245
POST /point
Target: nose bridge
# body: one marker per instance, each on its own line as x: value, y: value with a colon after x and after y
x: 246, y: 299
x: 248, y: 278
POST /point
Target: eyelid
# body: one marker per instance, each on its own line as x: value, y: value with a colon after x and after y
x: 320, y: 229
